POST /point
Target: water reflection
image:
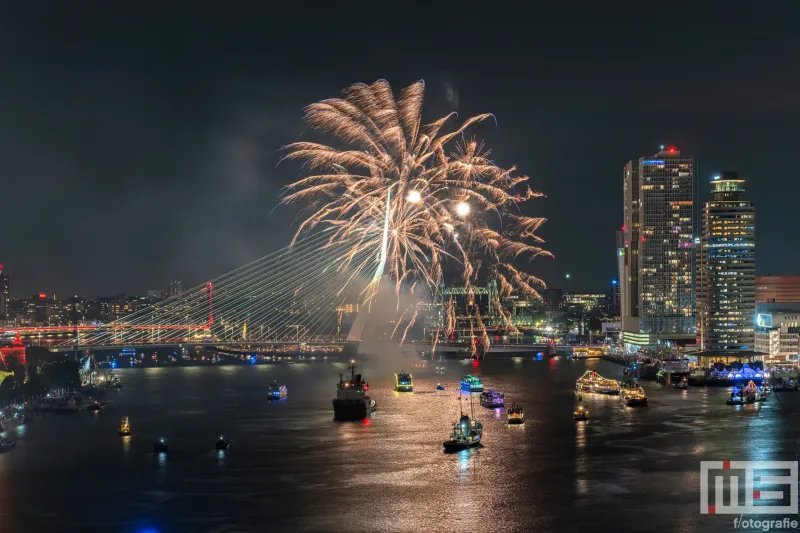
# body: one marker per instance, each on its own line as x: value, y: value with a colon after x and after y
x: 126, y: 445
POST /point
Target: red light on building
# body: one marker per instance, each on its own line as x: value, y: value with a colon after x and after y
x: 643, y: 239
x: 624, y: 228
x: 672, y: 149
x: 42, y: 295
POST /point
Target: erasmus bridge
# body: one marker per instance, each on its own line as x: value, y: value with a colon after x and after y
x: 300, y: 294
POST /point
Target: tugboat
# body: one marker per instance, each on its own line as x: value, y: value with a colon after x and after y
x: 466, y: 433
x: 634, y: 397
x: 124, y: 427
x: 6, y: 445
x: 516, y: 415
x: 492, y: 399
x: 403, y: 382
x: 352, y: 402
x: 470, y: 383
x: 749, y: 394
x: 580, y: 413
x: 160, y: 446
x: 222, y: 443
x: 277, y: 392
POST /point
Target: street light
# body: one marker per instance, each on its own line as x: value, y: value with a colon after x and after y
x: 414, y: 196
x: 462, y: 209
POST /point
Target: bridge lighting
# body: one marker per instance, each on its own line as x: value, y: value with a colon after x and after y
x: 414, y: 196
x: 462, y: 209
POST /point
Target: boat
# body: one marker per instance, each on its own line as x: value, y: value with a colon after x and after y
x: 466, y: 433
x: 222, y: 443
x: 95, y: 406
x: 593, y: 382
x: 634, y: 397
x: 352, y: 401
x: 747, y: 395
x: 403, y: 382
x: 125, y: 427
x: 492, y: 399
x: 784, y: 385
x: 277, y: 392
x: 683, y: 384
x: 160, y: 446
x: 11, y: 418
x: 6, y: 445
x: 580, y: 413
x: 439, y: 386
x: 516, y: 415
x: 470, y: 383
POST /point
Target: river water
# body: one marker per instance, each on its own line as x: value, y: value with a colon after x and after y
x: 292, y: 468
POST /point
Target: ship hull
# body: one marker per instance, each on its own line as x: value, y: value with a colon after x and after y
x: 450, y: 446
x: 351, y: 410
x: 516, y: 421
x: 404, y: 388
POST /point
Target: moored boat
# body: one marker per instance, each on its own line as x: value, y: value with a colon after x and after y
x: 470, y: 383
x: 492, y: 399
x: 352, y: 401
x: 516, y: 414
x: 403, y: 382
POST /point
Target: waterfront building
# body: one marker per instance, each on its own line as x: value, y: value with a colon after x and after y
x: 778, y: 334
x: 778, y: 289
x: 586, y: 302
x: 726, y: 269
x: 553, y: 300
x: 657, y: 294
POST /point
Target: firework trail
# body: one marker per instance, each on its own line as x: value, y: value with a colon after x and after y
x: 412, y: 194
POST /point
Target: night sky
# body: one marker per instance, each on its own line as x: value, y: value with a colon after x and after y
x: 140, y: 146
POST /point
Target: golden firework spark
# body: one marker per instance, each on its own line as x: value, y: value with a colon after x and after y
x: 394, y: 185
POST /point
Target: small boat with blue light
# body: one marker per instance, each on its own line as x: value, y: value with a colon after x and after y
x: 439, y: 386
x: 403, y: 382
x: 516, y: 414
x: 492, y: 399
x: 746, y: 395
x: 277, y: 392
x: 470, y: 383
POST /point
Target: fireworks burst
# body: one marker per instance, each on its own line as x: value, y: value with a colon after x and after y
x: 413, y: 194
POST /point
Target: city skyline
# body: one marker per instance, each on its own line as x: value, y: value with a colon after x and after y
x: 169, y: 135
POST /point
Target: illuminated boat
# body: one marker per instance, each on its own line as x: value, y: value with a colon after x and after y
x: 222, y: 443
x: 124, y: 427
x: 6, y: 445
x: 516, y: 415
x: 160, y: 446
x: 466, y: 434
x: 683, y: 384
x: 403, y: 382
x: 580, y: 413
x: 492, y: 399
x: 634, y: 397
x: 470, y: 383
x: 277, y: 392
x: 95, y: 406
x: 352, y: 401
x: 593, y: 382
x: 747, y: 395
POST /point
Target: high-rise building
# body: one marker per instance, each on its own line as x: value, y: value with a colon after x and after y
x: 553, y: 300
x: 658, y: 292
x: 5, y: 294
x: 620, y: 287
x: 726, y: 269
x: 778, y: 289
x: 175, y: 287
x: 777, y: 336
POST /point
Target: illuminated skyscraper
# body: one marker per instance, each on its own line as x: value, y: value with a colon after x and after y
x: 657, y: 283
x: 726, y: 269
x: 4, y: 294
